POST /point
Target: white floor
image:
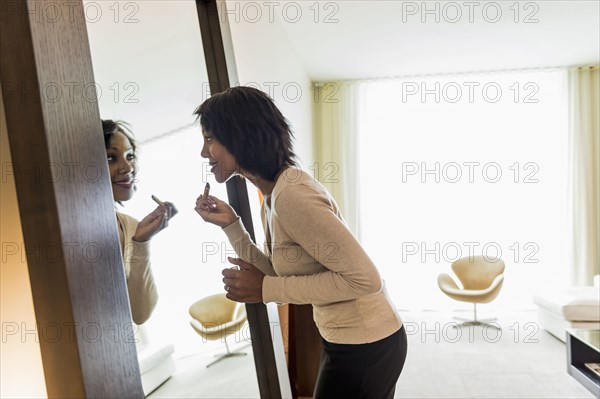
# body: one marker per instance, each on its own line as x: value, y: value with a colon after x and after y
x: 233, y: 377
x: 522, y: 361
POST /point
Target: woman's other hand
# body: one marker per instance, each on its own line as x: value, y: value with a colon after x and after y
x: 213, y: 210
x: 157, y: 220
x: 245, y: 284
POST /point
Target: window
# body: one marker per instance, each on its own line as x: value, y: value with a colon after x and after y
x: 465, y: 164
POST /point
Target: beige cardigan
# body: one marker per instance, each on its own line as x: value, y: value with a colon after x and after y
x: 315, y: 259
x: 140, y: 282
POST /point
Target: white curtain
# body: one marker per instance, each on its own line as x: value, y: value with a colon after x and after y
x: 422, y: 208
x: 337, y: 106
x: 584, y: 130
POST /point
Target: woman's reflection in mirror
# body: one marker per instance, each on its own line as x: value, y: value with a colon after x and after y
x: 134, y: 236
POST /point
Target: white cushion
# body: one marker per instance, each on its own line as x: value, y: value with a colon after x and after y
x: 557, y: 326
x: 574, y: 304
x: 150, y: 356
x: 156, y: 376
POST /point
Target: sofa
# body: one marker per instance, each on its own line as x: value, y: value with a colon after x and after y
x: 569, y: 308
x: 156, y: 361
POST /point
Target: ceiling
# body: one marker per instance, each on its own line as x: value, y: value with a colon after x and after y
x: 152, y: 73
x: 350, y: 39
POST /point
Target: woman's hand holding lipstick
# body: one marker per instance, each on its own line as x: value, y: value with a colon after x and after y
x: 172, y: 211
x: 155, y: 221
x: 213, y: 210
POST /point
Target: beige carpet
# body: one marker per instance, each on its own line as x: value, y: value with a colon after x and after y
x: 523, y: 362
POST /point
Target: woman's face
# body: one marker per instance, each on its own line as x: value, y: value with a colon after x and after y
x: 222, y: 163
x: 122, y: 167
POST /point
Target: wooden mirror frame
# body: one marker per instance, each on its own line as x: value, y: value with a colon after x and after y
x: 60, y: 139
x: 222, y: 70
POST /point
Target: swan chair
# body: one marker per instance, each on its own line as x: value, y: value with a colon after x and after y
x: 481, y: 281
x: 216, y: 317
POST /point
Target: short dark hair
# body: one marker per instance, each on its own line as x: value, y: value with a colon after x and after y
x: 250, y: 126
x: 110, y: 128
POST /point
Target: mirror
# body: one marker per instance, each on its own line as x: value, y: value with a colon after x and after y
x: 150, y: 72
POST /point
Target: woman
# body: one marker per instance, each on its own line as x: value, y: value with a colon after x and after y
x: 134, y: 236
x: 312, y: 257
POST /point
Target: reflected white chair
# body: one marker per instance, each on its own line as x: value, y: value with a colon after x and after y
x: 216, y: 317
x: 481, y: 281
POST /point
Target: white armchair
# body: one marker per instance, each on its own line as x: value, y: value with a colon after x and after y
x: 481, y: 281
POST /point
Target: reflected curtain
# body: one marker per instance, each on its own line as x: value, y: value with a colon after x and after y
x: 584, y: 184
x: 336, y: 112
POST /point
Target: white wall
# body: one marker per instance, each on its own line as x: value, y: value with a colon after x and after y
x: 265, y: 59
x: 22, y: 375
